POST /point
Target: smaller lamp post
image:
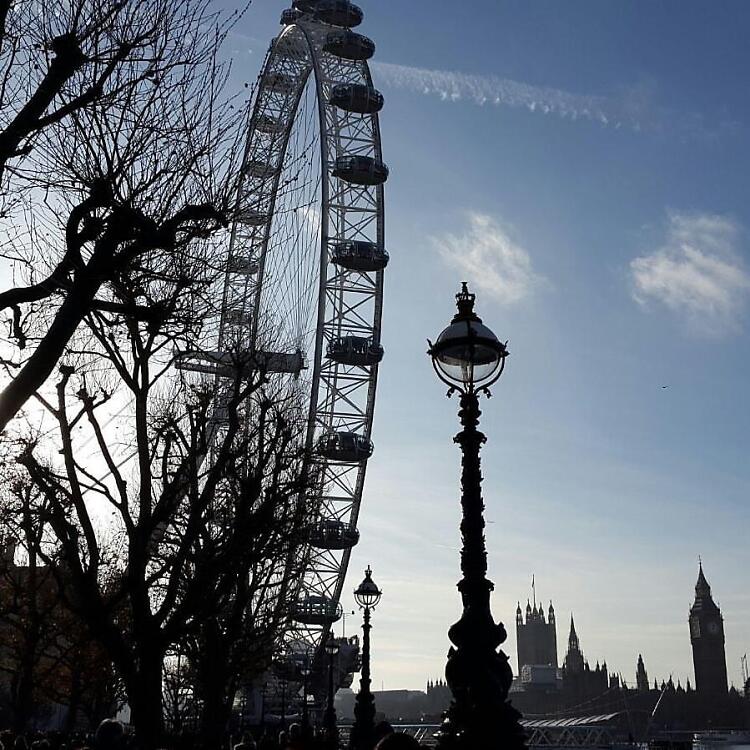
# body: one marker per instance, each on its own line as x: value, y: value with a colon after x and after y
x: 263, y: 706
x: 283, y: 703
x: 305, y: 713
x: 367, y: 595
x: 329, y: 717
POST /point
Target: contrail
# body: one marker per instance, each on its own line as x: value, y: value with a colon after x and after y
x: 492, y: 90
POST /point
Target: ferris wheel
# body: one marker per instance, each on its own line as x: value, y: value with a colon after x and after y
x: 304, y: 282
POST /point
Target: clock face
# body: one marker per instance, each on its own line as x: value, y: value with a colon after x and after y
x: 713, y: 627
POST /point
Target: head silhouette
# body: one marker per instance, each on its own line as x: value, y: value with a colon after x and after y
x: 110, y: 735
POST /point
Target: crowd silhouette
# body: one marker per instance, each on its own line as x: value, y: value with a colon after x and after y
x: 113, y: 735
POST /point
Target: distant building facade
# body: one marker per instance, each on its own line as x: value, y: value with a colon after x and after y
x: 707, y: 639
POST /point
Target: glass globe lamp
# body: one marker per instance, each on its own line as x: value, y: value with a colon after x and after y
x: 367, y: 593
x: 467, y: 355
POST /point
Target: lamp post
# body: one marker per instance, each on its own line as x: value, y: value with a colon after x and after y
x: 305, y: 712
x: 329, y: 717
x: 283, y: 703
x: 263, y: 706
x: 367, y: 595
x: 469, y: 358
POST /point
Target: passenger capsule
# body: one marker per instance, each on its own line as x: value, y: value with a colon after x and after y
x: 290, y: 16
x: 269, y: 125
x: 305, y: 6
x: 252, y: 218
x: 236, y: 316
x: 356, y: 97
x: 259, y: 169
x: 360, y: 170
x: 356, y: 255
x: 281, y: 83
x: 333, y: 534
x: 349, y: 45
x: 338, y: 13
x: 348, y: 447
x: 356, y: 351
x: 316, y: 610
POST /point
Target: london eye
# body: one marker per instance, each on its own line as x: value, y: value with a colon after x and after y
x: 303, y: 288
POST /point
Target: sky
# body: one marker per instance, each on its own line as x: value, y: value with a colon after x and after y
x: 585, y: 167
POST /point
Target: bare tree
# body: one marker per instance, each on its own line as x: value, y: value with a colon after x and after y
x: 207, y: 514
x: 170, y: 505
x: 47, y: 655
x: 116, y: 144
x: 261, y: 541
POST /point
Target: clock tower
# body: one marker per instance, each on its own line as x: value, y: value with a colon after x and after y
x: 707, y: 639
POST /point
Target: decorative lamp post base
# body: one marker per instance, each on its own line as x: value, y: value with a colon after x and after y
x: 361, y: 737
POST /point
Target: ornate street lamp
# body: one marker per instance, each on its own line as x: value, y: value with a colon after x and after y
x: 367, y: 595
x: 329, y: 717
x: 469, y: 358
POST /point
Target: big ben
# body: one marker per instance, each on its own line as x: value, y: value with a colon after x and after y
x: 707, y: 639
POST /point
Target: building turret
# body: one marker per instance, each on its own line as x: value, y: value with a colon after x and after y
x: 551, y: 614
x: 641, y: 676
x: 519, y: 615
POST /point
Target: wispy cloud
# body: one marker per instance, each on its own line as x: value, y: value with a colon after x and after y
x: 492, y: 90
x: 697, y: 273
x: 489, y: 259
x: 633, y: 107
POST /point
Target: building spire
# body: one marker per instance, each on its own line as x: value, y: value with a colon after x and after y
x: 573, y: 644
x: 702, y: 589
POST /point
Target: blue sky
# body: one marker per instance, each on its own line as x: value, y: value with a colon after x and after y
x: 592, y: 160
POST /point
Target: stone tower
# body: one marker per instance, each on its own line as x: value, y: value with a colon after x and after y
x: 536, y: 638
x: 641, y: 677
x: 707, y: 639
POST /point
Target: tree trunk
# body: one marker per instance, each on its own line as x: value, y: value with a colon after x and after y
x: 215, y: 712
x: 74, y: 700
x: 23, y: 697
x: 144, y: 693
x: 213, y: 674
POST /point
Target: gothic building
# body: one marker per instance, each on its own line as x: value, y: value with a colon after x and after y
x: 536, y: 638
x: 707, y: 639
